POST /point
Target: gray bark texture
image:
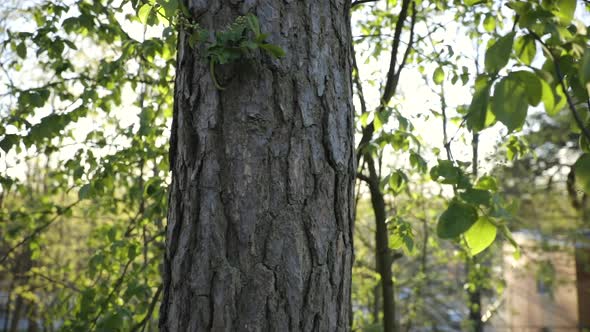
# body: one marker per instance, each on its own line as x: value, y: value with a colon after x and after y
x: 259, y: 234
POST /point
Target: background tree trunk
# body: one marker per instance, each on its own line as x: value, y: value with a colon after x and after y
x: 259, y: 234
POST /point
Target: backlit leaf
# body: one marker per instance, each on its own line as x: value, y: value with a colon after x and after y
x: 438, y: 76
x: 510, y: 102
x: 498, y: 54
x: 480, y: 236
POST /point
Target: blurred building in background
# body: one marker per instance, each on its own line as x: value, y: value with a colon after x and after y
x: 547, y: 287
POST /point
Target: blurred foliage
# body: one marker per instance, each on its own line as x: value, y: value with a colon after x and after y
x: 87, y: 96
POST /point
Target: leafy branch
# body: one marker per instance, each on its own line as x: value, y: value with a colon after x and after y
x: 237, y: 41
x: 570, y: 102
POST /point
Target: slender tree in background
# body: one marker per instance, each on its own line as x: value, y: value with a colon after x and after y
x: 259, y: 233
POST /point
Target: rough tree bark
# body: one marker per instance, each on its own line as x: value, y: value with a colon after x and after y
x: 259, y: 234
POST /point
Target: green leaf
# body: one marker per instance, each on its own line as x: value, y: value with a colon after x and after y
x: 510, y: 102
x: 170, y: 8
x: 566, y: 11
x: 143, y: 12
x: 548, y: 98
x: 520, y: 7
x: 395, y: 241
x: 585, y: 70
x: 445, y: 169
x: 478, y: 109
x: 397, y: 181
x: 409, y: 244
x: 8, y: 142
x: 438, y: 76
x: 561, y: 99
x: 253, y: 24
x: 515, y: 147
x: 489, y: 23
x: 498, y: 54
x: 274, y: 50
x: 70, y: 44
x: 532, y: 84
x: 477, y: 196
x: 487, y: 183
x: 84, y: 192
x: 132, y: 251
x: 364, y: 118
x: 582, y: 171
x: 21, y: 50
x: 473, y: 2
x: 377, y: 121
x: 457, y: 219
x: 418, y: 162
x: 480, y: 236
x: 525, y: 49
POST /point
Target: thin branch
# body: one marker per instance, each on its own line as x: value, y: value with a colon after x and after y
x: 64, y: 284
x: 408, y: 49
x: 391, y: 85
x: 36, y: 232
x: 363, y: 177
x: 118, y: 284
x: 145, y: 319
x: 393, y: 72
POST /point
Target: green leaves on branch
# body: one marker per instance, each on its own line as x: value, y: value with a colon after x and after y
x: 461, y: 216
x: 401, y: 234
x: 516, y: 147
x: 512, y: 96
x: 487, y: 183
x: 239, y: 39
x: 395, y: 182
x: 447, y: 173
x: 236, y: 42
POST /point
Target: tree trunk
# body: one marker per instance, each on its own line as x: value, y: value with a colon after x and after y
x: 384, y: 257
x: 472, y: 264
x: 259, y: 234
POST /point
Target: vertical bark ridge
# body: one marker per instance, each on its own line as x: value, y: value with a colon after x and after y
x: 261, y: 213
